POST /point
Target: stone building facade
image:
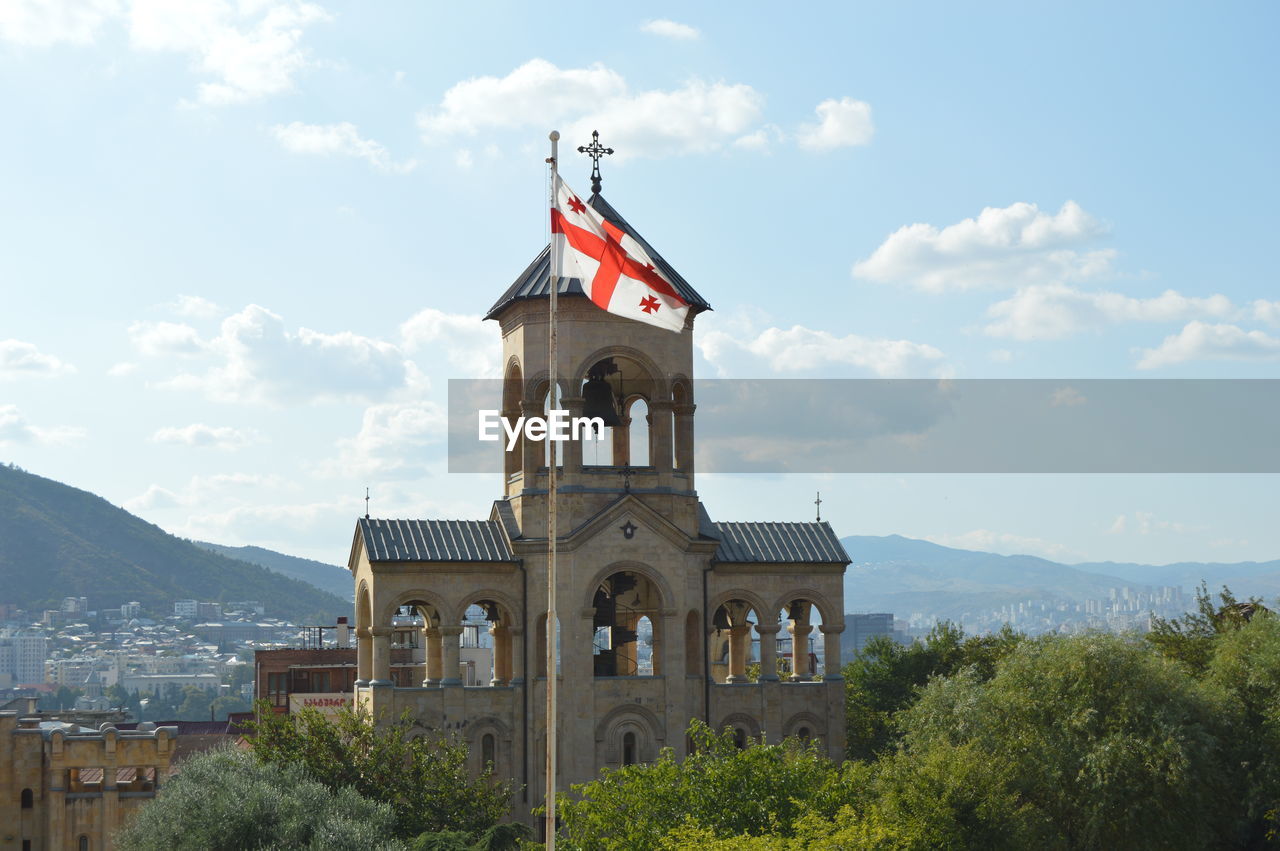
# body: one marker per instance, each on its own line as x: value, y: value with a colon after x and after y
x: 62, y: 787
x: 659, y: 606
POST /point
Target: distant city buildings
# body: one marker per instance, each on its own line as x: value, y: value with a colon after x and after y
x: 22, y: 655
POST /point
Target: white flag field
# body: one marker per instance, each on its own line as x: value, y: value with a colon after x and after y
x: 616, y: 272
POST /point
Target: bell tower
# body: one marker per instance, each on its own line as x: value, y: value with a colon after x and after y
x: 637, y: 377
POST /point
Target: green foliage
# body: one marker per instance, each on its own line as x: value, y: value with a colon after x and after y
x: 1113, y: 746
x: 225, y: 800
x: 720, y: 788
x: 227, y: 704
x: 498, y: 837
x: 886, y: 678
x: 1190, y: 639
x: 423, y: 778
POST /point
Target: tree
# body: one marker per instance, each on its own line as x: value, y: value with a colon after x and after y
x: 886, y: 677
x: 195, y: 704
x: 1190, y: 639
x: 721, y: 789
x: 225, y: 800
x: 1111, y: 745
x: 228, y: 703
x: 423, y: 778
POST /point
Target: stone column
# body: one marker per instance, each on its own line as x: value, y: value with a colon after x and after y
x: 501, y: 654
x: 622, y: 443
x: 739, y: 644
x: 768, y: 650
x: 534, y: 450
x: 660, y: 435
x: 433, y: 651
x: 381, y: 656
x: 451, y: 673
x: 831, y: 650
x: 684, y: 438
x: 799, y: 650
x: 364, y: 656
x: 571, y: 450
x: 519, y: 673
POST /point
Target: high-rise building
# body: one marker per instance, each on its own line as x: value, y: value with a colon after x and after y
x: 26, y: 654
x: 186, y: 608
x: 863, y: 628
x: 131, y: 610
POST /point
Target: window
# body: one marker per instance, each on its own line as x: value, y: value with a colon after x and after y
x: 488, y: 745
x: 740, y: 738
x: 84, y: 842
x: 629, y: 749
x: 28, y: 799
x: 803, y: 734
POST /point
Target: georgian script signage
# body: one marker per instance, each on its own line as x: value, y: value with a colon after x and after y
x: 327, y: 703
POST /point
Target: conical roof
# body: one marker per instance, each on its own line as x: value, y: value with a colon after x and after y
x: 535, y: 281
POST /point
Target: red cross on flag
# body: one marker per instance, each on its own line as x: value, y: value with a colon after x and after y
x: 616, y: 272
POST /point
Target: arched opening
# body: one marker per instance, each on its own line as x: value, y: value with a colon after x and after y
x: 629, y: 748
x: 618, y: 389
x: 693, y: 644
x: 681, y: 427
x: 416, y: 645
x: 486, y: 652
x: 512, y: 394
x: 83, y: 843
x: 364, y: 640
x: 28, y: 799
x: 540, y: 646
x: 734, y: 641
x: 638, y: 425
x: 740, y: 738
x: 488, y: 750
x: 800, y: 652
x: 803, y: 734
x: 625, y: 639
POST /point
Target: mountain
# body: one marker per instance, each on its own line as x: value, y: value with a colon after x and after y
x: 327, y: 577
x: 904, y: 575
x: 58, y: 541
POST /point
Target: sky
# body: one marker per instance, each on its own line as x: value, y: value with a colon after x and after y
x: 243, y: 245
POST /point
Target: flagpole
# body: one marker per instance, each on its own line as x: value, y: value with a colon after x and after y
x: 552, y: 621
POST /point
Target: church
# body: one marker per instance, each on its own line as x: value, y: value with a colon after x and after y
x: 665, y: 614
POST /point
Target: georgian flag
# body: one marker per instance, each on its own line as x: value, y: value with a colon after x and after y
x: 615, y: 271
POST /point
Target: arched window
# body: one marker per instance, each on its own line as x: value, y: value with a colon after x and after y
x: 740, y: 738
x: 803, y: 734
x: 488, y: 748
x: 639, y: 437
x: 84, y: 842
x: 28, y: 799
x: 629, y: 748
x: 626, y: 638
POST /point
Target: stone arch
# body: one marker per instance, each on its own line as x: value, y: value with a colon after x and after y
x: 817, y: 726
x: 512, y: 392
x: 506, y: 605
x: 639, y: 431
x: 741, y: 721
x: 641, y: 359
x: 749, y: 597
x: 411, y: 597
x: 628, y: 718
x: 476, y: 731
x: 538, y: 385
x: 826, y: 610
x: 659, y: 582
x: 622, y: 599
x: 364, y: 606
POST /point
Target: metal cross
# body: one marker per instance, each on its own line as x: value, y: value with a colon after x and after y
x: 366, y: 503
x: 595, y: 150
x: 626, y: 472
x: 817, y: 504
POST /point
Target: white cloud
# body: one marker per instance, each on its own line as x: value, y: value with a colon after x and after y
x: 735, y: 348
x: 247, y: 50
x: 255, y: 359
x: 1147, y: 523
x: 1119, y: 525
x: 1267, y: 311
x: 671, y: 29
x: 391, y: 440
x: 1067, y: 397
x: 121, y: 369
x: 469, y: 346
x: 1202, y: 341
x: 208, y: 437
x: 1009, y: 246
x: 20, y: 359
x: 1055, y: 311
x: 337, y: 140
x: 14, y: 428
x: 695, y: 118
x: 40, y: 23
x: 193, y: 306
x: 165, y: 339
x: 841, y: 124
x: 463, y: 159
x: 1002, y: 542
x: 153, y: 497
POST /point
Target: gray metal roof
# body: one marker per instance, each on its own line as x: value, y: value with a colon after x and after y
x: 535, y: 281
x: 434, y: 540
x: 779, y: 543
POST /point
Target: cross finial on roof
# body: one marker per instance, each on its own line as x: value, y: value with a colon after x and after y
x: 366, y: 503
x: 595, y: 150
x: 817, y: 504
